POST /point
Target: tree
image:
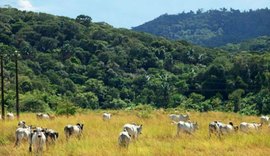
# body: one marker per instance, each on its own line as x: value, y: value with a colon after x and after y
x: 84, y: 20
x: 87, y: 100
x: 235, y: 97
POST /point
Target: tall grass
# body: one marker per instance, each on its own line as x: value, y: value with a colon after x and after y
x: 158, y: 136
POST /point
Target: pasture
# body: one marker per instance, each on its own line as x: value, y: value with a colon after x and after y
x: 158, y: 136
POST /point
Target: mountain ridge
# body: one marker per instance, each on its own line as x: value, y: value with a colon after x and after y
x: 211, y: 28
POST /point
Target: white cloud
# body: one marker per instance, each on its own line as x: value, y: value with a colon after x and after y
x: 25, y: 5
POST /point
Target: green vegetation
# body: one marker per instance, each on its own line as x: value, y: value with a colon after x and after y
x: 211, y: 28
x: 259, y: 44
x: 76, y: 63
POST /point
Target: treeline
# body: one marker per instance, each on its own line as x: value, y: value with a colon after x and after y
x: 75, y: 63
x: 259, y: 44
x: 211, y: 28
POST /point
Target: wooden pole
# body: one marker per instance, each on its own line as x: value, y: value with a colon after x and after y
x: 17, y: 86
x: 2, y: 88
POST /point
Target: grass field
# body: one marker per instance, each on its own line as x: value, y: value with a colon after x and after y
x: 158, y: 136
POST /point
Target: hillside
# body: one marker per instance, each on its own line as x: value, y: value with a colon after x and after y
x: 75, y: 63
x: 259, y: 44
x: 211, y: 28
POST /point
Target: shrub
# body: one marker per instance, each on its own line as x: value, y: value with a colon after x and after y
x: 66, y: 108
x: 34, y: 102
x: 144, y: 110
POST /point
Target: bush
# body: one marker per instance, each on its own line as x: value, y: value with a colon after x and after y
x: 34, y: 102
x: 144, y: 110
x: 116, y: 104
x: 66, y: 108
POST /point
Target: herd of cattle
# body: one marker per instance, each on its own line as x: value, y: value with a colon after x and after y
x: 39, y: 137
x: 216, y: 127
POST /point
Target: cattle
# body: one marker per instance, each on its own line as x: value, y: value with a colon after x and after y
x: 106, y: 116
x: 214, y: 127
x: 0, y: 117
x: 187, y: 127
x: 124, y: 139
x: 180, y: 117
x: 38, y: 140
x: 248, y: 127
x: 228, y: 128
x: 10, y: 116
x: 23, y: 132
x: 42, y: 116
x: 22, y: 124
x: 75, y: 130
x: 51, y: 135
x: 133, y: 130
x: 265, y: 119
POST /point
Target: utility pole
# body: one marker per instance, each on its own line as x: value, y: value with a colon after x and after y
x: 17, y: 86
x: 2, y: 87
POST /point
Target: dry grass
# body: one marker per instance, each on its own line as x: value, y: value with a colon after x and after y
x: 158, y: 138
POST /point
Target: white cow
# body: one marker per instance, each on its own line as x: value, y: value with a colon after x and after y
x: 23, y: 132
x: 248, y: 127
x: 124, y: 139
x: 42, y: 116
x: 38, y: 140
x: 10, y: 116
x: 133, y: 130
x: 106, y: 116
x: 265, y: 119
x: 180, y: 117
x: 75, y: 130
x: 51, y: 135
x: 214, y: 127
x: 187, y: 127
x: 228, y: 128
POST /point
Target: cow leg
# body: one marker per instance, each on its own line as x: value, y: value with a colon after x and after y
x: 67, y: 136
x: 177, y: 133
x: 79, y: 136
x: 30, y: 148
x: 17, y: 142
x: 219, y: 136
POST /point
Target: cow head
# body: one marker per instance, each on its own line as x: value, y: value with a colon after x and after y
x: 39, y: 131
x: 235, y: 128
x: 56, y: 134
x: 21, y: 124
x: 139, y: 129
x: 196, y: 126
x: 80, y: 125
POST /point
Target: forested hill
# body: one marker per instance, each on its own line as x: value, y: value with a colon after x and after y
x: 211, y: 28
x: 70, y: 63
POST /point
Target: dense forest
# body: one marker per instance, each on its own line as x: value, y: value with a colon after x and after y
x: 259, y: 44
x: 69, y: 63
x: 211, y: 28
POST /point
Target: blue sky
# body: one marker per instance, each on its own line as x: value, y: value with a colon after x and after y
x: 128, y: 13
